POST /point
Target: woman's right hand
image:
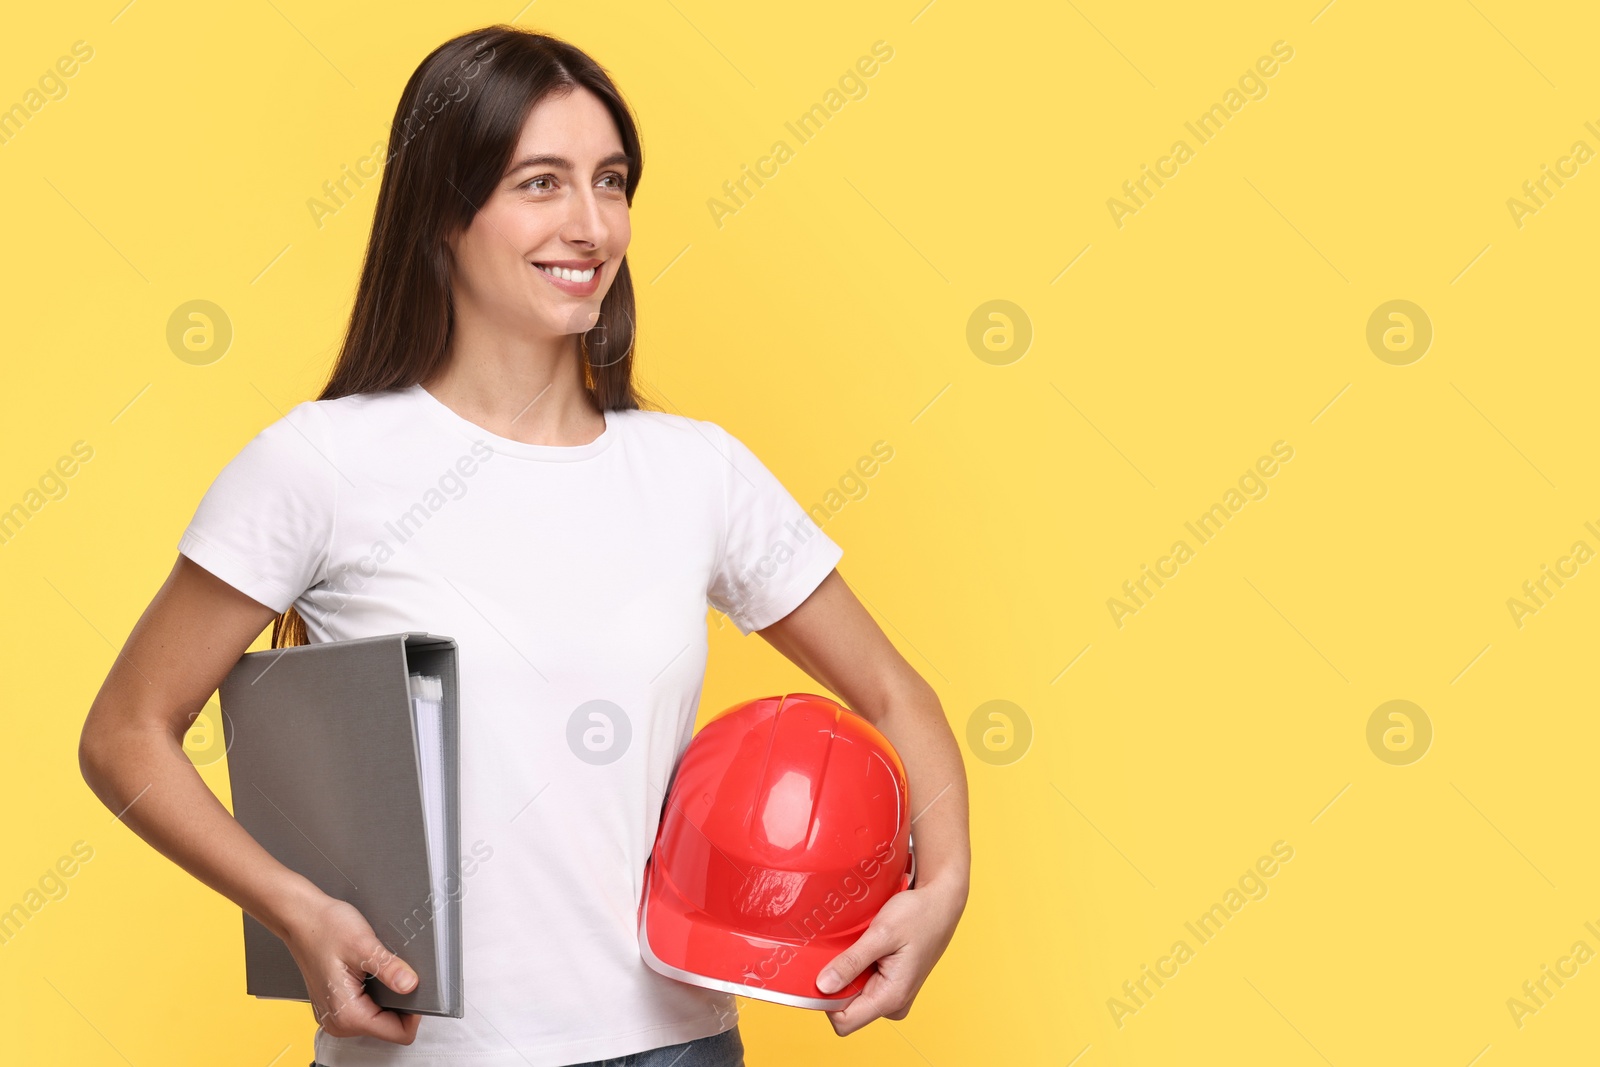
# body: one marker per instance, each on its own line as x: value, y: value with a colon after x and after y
x: 336, y: 950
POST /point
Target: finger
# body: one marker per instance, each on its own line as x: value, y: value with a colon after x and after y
x: 359, y: 1014
x: 874, y: 943
x: 398, y: 1027
x: 353, y: 1012
x: 879, y: 996
x: 390, y: 969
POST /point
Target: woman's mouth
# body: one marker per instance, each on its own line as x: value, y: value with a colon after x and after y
x: 570, y: 280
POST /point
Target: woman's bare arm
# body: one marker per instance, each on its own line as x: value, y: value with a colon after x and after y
x: 131, y: 749
x: 131, y: 755
x: 832, y: 638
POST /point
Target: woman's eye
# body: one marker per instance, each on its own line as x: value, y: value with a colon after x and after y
x: 617, y: 182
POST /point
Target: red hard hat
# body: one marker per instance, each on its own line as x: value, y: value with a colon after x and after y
x: 783, y: 833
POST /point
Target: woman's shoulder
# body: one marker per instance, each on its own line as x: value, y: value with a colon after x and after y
x: 664, y: 425
x: 669, y: 433
x: 373, y: 411
x: 351, y: 403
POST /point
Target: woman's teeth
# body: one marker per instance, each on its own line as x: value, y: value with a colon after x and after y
x: 568, y: 275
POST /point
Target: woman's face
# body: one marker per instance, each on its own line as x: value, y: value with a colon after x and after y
x: 562, y: 203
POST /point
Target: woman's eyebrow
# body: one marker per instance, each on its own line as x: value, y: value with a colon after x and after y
x: 565, y: 163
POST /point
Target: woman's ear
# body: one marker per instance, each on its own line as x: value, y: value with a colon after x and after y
x: 449, y: 245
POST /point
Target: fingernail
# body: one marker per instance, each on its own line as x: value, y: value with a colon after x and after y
x: 828, y: 981
x: 407, y: 980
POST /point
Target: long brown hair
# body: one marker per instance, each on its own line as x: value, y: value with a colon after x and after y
x: 457, y: 124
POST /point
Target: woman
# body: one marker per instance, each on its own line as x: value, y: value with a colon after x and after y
x: 479, y: 466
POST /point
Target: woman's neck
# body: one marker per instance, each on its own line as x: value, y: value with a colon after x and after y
x: 519, y: 392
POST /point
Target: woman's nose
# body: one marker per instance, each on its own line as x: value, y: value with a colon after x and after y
x: 585, y: 223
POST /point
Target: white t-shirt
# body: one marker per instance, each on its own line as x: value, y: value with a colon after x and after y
x: 575, y: 580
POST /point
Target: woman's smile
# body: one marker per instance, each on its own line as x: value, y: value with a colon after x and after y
x: 571, y: 276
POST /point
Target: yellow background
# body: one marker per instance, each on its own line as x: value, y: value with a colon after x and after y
x: 830, y: 312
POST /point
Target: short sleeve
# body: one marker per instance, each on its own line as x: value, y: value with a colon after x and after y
x: 266, y: 523
x: 772, y: 553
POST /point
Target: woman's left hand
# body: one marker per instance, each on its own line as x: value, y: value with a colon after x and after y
x: 905, y: 939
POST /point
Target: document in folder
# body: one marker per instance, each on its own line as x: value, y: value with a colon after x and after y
x: 344, y: 764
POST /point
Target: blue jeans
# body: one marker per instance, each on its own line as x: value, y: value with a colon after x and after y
x: 719, y: 1050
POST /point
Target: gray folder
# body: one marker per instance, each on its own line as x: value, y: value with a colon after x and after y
x: 327, y: 774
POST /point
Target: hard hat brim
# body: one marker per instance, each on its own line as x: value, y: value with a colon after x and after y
x: 676, y: 945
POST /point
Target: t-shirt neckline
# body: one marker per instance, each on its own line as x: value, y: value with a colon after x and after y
x: 447, y: 416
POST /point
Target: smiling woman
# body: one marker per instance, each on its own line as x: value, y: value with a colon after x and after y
x: 492, y: 336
